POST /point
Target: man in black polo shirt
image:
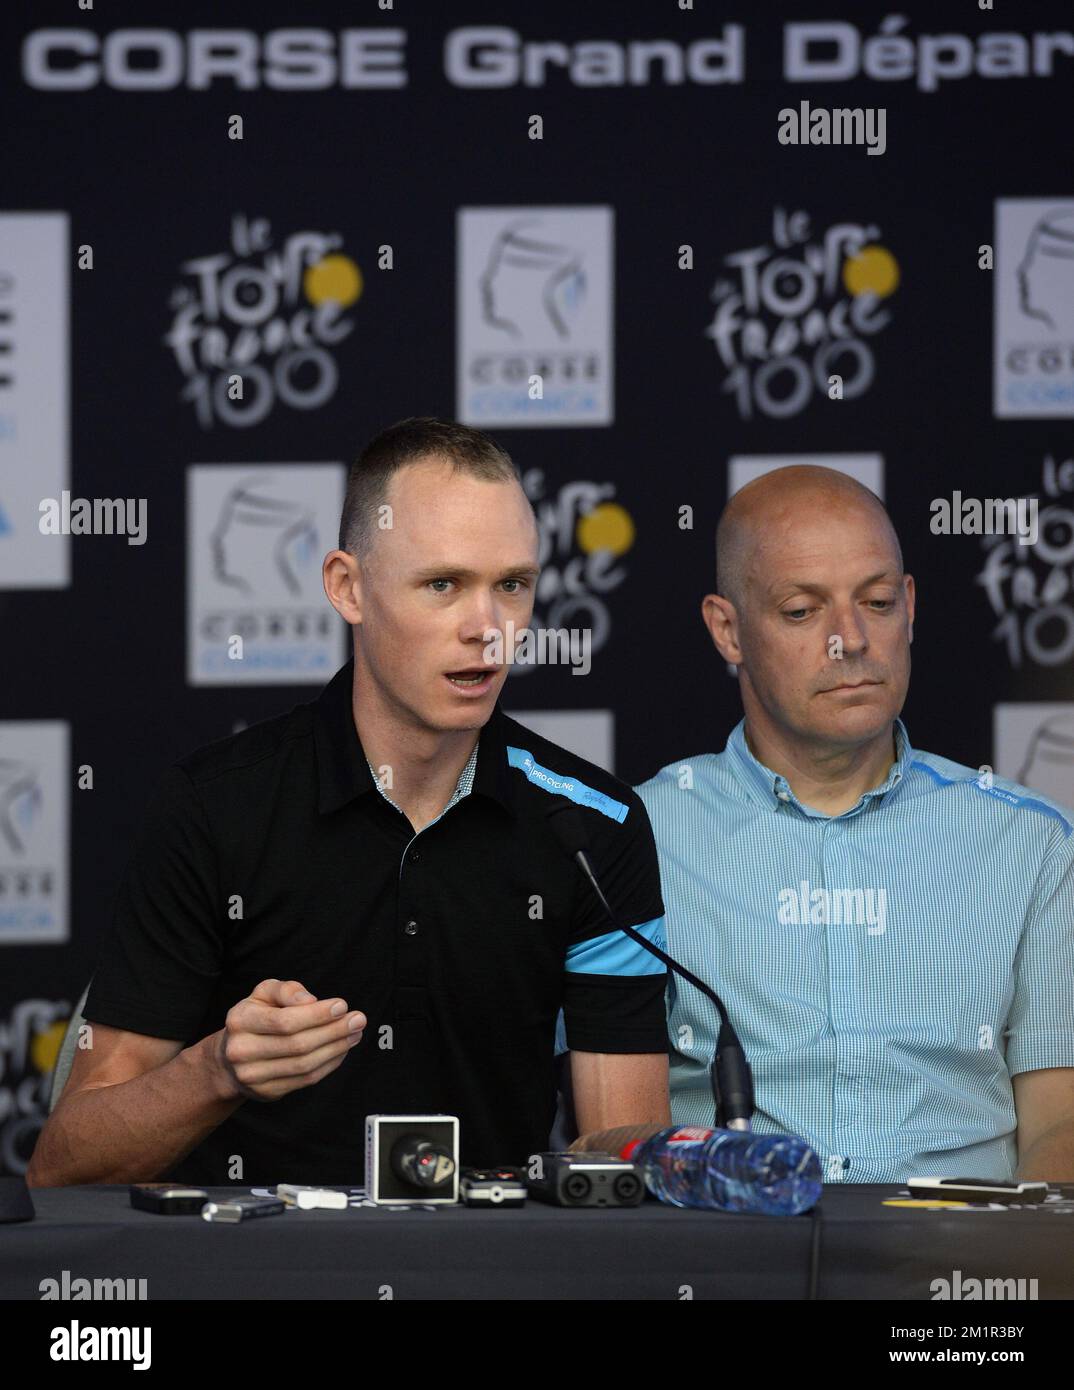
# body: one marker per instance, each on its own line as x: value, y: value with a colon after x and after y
x: 375, y: 868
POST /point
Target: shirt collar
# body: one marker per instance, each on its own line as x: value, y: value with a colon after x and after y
x: 343, y: 771
x: 773, y: 789
x: 463, y: 786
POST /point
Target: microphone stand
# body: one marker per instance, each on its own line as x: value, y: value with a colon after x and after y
x: 732, y: 1081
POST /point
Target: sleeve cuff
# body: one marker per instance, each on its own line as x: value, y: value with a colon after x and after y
x: 133, y: 1019
x: 622, y: 1042
x: 1039, y: 1051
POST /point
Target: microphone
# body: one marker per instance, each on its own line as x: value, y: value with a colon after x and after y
x: 732, y: 1080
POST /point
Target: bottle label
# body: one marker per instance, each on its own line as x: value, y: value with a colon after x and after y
x: 688, y: 1136
x: 694, y: 1135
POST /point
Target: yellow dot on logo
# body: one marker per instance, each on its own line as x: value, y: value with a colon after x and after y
x: 607, y: 527
x: 873, y: 269
x: 334, y: 278
x: 45, y: 1047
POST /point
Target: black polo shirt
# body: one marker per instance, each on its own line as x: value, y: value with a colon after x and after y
x: 460, y: 944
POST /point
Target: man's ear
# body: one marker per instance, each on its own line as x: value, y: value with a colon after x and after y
x: 911, y: 595
x: 721, y: 619
x: 341, y: 575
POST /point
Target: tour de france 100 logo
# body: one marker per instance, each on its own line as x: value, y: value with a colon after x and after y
x: 258, y: 323
x: 795, y: 315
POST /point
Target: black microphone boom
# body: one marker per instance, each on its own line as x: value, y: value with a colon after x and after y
x: 732, y: 1080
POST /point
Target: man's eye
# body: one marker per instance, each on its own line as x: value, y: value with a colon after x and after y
x: 884, y: 603
x: 796, y: 613
x: 439, y: 581
x: 522, y: 583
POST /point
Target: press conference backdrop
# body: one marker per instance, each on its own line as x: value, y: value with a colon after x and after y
x: 639, y: 243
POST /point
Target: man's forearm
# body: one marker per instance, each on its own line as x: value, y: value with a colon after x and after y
x: 135, y: 1131
x: 612, y: 1089
x: 1050, y: 1158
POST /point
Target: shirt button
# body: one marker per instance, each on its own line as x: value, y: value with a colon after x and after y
x: 784, y: 796
x: 411, y: 929
x: 415, y: 855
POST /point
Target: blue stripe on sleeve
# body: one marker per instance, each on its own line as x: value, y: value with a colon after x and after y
x: 566, y: 786
x: 1000, y: 793
x: 615, y: 953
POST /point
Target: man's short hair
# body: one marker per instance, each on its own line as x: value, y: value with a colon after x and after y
x: 409, y: 441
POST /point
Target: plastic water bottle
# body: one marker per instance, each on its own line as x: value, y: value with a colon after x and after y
x: 730, y: 1170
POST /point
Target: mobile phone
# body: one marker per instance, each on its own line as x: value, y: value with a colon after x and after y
x: 167, y: 1198
x: 233, y: 1209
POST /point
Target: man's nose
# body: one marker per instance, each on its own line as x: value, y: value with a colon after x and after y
x: 481, y: 617
x: 851, y: 632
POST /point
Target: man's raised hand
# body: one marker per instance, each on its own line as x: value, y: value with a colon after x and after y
x: 282, y: 1039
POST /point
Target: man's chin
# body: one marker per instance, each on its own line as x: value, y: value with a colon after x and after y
x: 438, y: 722
x: 857, y: 721
x: 466, y: 719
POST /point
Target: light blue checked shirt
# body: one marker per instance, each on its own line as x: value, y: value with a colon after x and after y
x: 883, y: 1026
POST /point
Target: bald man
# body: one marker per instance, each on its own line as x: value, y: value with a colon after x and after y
x: 892, y: 932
